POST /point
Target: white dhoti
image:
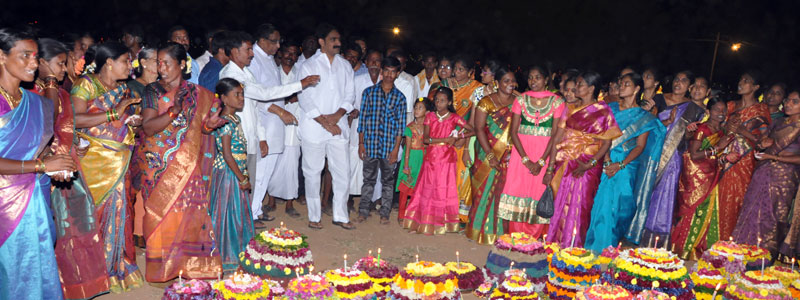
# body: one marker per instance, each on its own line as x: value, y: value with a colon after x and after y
x: 284, y: 183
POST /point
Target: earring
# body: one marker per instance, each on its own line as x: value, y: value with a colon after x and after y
x: 110, y: 67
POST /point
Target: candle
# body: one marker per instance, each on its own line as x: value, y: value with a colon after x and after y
x: 730, y: 238
x: 758, y: 242
x: 619, y: 245
x: 510, y: 267
x: 574, y: 232
x: 370, y: 252
x: 180, y: 277
x: 719, y: 284
x: 458, y: 259
x: 345, y: 262
x: 219, y: 276
x: 416, y: 256
x: 310, y: 269
x: 657, y: 241
x: 281, y: 224
x: 544, y: 238
x: 297, y: 272
x: 673, y: 247
x: 792, y: 264
x: 379, y: 254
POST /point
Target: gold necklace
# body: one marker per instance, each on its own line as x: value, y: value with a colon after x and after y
x: 459, y: 86
x: 13, y: 103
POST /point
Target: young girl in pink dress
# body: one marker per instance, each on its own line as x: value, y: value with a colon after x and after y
x: 434, y: 205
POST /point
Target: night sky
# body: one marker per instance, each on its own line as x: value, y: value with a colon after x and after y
x: 599, y: 35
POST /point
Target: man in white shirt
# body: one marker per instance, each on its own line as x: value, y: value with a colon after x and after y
x: 272, y: 115
x: 202, y: 60
x: 309, y: 48
x: 428, y: 75
x: 407, y: 84
x: 240, y: 50
x: 323, y: 128
x: 287, y: 184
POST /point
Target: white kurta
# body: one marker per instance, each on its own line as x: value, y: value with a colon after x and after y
x: 408, y: 85
x: 286, y: 185
x: 334, y: 91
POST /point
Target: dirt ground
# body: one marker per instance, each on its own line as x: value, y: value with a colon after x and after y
x: 330, y: 244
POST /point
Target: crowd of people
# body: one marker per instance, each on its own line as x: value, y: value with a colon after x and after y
x: 105, y: 147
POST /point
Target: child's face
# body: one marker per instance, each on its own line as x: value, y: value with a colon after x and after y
x: 234, y: 98
x: 442, y: 102
x: 419, y: 109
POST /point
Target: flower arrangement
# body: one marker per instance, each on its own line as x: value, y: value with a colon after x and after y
x: 657, y: 269
x: 794, y: 288
x: 705, y: 283
x: 310, y: 287
x: 197, y: 289
x: 571, y: 270
x: 469, y: 276
x: 604, y: 291
x: 352, y: 284
x: 784, y: 274
x: 756, y: 285
x: 242, y: 286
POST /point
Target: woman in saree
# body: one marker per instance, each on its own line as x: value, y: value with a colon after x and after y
x: 463, y: 85
x: 28, y: 268
x: 679, y: 112
x: 789, y: 246
x: 103, y: 117
x: 76, y: 57
x: 620, y: 206
x: 774, y: 100
x: 535, y: 115
x: 585, y: 138
x: 493, y: 123
x: 77, y: 250
x: 696, y: 223
x: 747, y: 121
x: 178, y: 118
x: 765, y: 213
x: 445, y: 72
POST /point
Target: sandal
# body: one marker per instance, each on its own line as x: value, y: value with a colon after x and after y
x: 292, y: 212
x: 315, y: 225
x: 348, y: 225
x: 384, y: 220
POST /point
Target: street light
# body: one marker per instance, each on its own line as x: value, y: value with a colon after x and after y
x: 396, y: 30
x: 734, y: 47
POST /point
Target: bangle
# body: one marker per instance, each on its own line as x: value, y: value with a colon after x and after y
x: 205, y: 127
x: 171, y: 114
x: 115, y: 114
x: 39, y: 167
x: 245, y: 180
x: 525, y: 159
x: 593, y: 162
x: 606, y: 164
x: 22, y: 169
x: 621, y: 165
x: 108, y: 116
x: 489, y: 156
x: 540, y: 162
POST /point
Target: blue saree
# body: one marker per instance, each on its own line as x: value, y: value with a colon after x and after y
x: 28, y: 267
x: 620, y: 207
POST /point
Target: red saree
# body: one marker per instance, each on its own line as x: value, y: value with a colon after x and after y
x: 175, y: 189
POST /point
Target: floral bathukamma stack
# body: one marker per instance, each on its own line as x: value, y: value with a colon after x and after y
x: 755, y: 257
x: 352, y: 284
x: 277, y: 253
x: 469, y: 276
x: 724, y: 256
x: 379, y: 271
x: 244, y: 286
x: 310, y: 287
x: 525, y: 252
x: 571, y: 270
x: 188, y: 290
x: 756, y: 285
x: 784, y: 274
x: 706, y: 282
x: 794, y: 288
x: 604, y: 292
x: 515, y: 286
x: 425, y: 280
x: 656, y: 269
